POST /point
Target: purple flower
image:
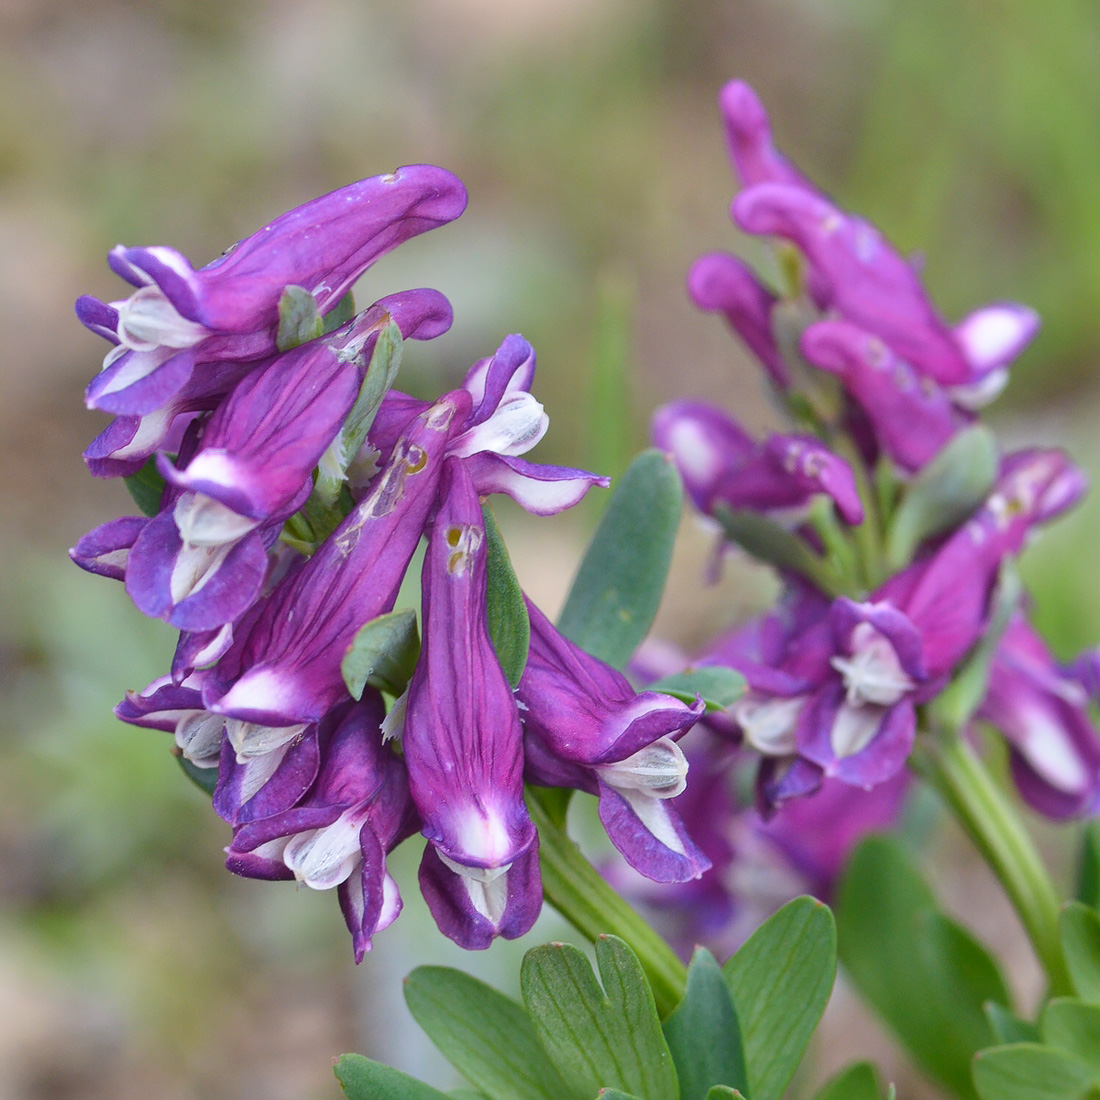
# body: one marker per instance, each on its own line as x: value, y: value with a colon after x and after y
x: 463, y: 743
x: 722, y: 465
x: 106, y: 549
x: 1044, y: 714
x: 180, y: 319
x: 505, y: 421
x: 177, y: 709
x: 340, y: 833
x: 856, y: 274
x: 911, y: 416
x: 286, y: 669
x: 587, y: 728
x: 720, y: 283
x: 124, y: 445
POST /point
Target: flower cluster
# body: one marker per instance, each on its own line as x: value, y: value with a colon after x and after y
x: 890, y: 513
x: 290, y: 487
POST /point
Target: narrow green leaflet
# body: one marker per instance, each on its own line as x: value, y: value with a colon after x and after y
x: 487, y: 1037
x: 206, y: 779
x: 703, y: 1034
x: 1007, y: 1027
x: 925, y: 975
x: 607, y: 1038
x: 385, y: 361
x: 299, y: 319
x: 340, y: 314
x: 724, y: 1092
x: 856, y: 1082
x: 363, y: 1079
x: 614, y: 1094
x: 780, y: 980
x: 509, y: 623
x: 772, y: 543
x: 1073, y: 1027
x: 943, y: 493
x: 1027, y: 1071
x: 340, y: 462
x: 1080, y: 927
x: 1088, y: 865
x: 618, y: 586
x: 467, y: 1094
x: 383, y: 654
x: 719, y: 687
x: 146, y: 487
x: 612, y: 422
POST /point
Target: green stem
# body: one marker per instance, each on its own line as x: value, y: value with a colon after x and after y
x: 579, y: 892
x: 988, y: 817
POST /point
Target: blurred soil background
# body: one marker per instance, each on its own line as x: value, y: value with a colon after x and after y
x: 131, y: 963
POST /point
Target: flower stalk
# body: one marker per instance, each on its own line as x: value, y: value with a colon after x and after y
x: 581, y: 894
x: 955, y: 770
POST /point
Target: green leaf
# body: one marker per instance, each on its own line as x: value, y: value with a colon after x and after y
x: 299, y: 320
x: 618, y: 586
x: 719, y: 687
x: 147, y: 488
x: 467, y: 1094
x: 858, y: 1081
x: 340, y: 314
x: 1073, y: 1027
x: 780, y: 980
x: 614, y: 1094
x: 1007, y: 1027
x: 363, y: 1079
x: 724, y: 1092
x: 385, y: 361
x: 509, y: 623
x: 1027, y: 1071
x: 383, y: 654
x: 612, y: 421
x: 1080, y: 928
x: 206, y: 779
x: 943, y: 493
x: 925, y: 975
x: 1088, y: 865
x: 773, y: 544
x: 703, y: 1034
x: 486, y: 1036
x: 598, y: 1039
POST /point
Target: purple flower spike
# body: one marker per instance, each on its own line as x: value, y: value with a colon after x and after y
x: 286, y: 669
x: 1044, y: 714
x: 587, y: 727
x: 721, y: 464
x: 858, y: 274
x: 340, y: 833
x: 179, y: 318
x: 462, y: 738
x: 912, y: 417
x: 720, y: 283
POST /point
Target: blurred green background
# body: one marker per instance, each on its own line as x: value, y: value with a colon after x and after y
x: 131, y: 964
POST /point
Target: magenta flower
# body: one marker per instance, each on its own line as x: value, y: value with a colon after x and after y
x: 586, y: 727
x: 722, y: 465
x: 180, y: 319
x: 463, y: 744
x: 1043, y: 712
x: 340, y: 833
x: 286, y: 670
